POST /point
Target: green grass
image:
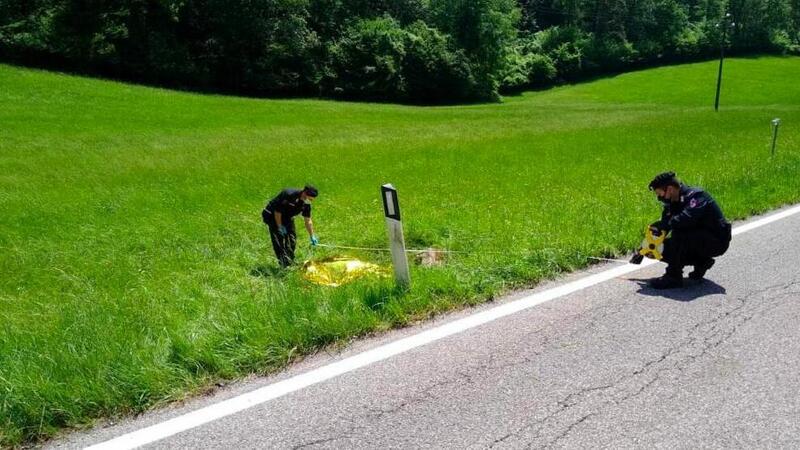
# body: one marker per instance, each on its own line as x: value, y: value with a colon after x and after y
x: 135, y: 267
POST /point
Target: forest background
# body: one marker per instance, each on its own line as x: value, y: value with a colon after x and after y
x: 410, y: 51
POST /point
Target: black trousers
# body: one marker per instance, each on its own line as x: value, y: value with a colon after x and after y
x: 692, y: 248
x: 282, y: 245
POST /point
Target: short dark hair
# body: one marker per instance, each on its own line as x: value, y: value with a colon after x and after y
x: 663, y: 180
x: 311, y: 191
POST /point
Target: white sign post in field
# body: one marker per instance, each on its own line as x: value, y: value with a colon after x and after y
x: 394, y: 227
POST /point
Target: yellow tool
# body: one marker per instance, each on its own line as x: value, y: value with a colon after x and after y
x: 653, y: 244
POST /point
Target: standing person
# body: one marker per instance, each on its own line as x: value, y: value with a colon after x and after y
x: 279, y: 214
x: 699, y: 231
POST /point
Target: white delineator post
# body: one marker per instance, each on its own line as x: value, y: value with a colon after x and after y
x: 394, y: 228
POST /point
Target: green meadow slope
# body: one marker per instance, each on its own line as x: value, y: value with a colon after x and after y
x: 135, y: 267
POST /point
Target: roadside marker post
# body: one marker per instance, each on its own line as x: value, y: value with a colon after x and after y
x: 776, y: 122
x: 394, y: 228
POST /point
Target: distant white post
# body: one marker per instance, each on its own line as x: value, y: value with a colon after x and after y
x: 397, y: 243
x: 775, y: 124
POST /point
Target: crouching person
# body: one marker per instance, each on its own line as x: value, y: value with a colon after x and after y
x: 699, y: 230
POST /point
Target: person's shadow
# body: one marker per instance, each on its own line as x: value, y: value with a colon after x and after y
x: 268, y: 271
x: 691, y: 290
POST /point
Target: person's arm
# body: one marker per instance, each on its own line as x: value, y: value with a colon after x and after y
x: 694, y: 210
x: 279, y: 201
x: 309, y: 226
x: 663, y: 224
x: 310, y: 229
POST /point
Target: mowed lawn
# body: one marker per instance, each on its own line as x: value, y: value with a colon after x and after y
x: 134, y: 267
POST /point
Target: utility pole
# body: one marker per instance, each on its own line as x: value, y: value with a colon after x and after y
x: 725, y: 23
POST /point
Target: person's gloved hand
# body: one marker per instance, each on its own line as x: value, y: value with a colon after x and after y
x: 655, y: 229
x: 314, y: 239
x: 282, y: 230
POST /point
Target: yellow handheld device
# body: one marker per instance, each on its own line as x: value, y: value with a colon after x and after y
x: 653, y: 244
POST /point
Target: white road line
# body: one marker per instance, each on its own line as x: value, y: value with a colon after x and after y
x: 236, y: 404
x: 766, y: 220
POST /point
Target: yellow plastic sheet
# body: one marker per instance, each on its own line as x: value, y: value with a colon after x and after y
x: 338, y: 270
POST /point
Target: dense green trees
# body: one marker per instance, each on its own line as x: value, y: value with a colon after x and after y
x: 423, y: 51
x: 380, y: 59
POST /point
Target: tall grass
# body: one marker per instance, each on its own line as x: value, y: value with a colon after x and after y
x: 135, y: 267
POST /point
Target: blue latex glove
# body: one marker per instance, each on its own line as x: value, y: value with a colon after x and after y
x: 314, y: 239
x: 282, y: 230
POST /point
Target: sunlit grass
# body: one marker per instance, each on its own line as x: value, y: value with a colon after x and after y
x: 135, y: 267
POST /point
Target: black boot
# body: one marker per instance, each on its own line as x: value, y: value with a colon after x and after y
x: 666, y: 282
x: 700, y: 270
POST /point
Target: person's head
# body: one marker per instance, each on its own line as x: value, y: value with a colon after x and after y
x: 308, y: 194
x: 667, y: 187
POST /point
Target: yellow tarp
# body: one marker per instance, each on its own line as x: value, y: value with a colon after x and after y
x: 338, y: 270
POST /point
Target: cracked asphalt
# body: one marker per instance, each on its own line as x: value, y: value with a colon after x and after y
x: 716, y: 364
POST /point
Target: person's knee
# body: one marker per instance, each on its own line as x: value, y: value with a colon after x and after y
x: 720, y: 249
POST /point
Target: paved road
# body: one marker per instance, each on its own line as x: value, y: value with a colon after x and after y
x: 616, y: 365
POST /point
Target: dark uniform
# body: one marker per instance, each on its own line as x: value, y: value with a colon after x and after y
x: 289, y: 204
x: 699, y: 231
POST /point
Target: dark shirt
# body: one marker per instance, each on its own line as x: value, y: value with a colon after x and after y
x: 289, y: 204
x: 695, y: 209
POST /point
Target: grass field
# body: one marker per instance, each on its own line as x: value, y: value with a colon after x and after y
x: 135, y: 267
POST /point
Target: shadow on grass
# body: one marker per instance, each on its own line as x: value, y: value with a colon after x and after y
x: 268, y: 271
x: 691, y: 290
x: 378, y: 296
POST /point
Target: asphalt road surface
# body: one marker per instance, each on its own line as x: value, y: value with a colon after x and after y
x: 616, y: 365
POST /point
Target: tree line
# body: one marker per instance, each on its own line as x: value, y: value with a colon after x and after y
x: 416, y: 51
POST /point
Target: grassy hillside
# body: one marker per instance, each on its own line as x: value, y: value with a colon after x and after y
x: 135, y: 267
